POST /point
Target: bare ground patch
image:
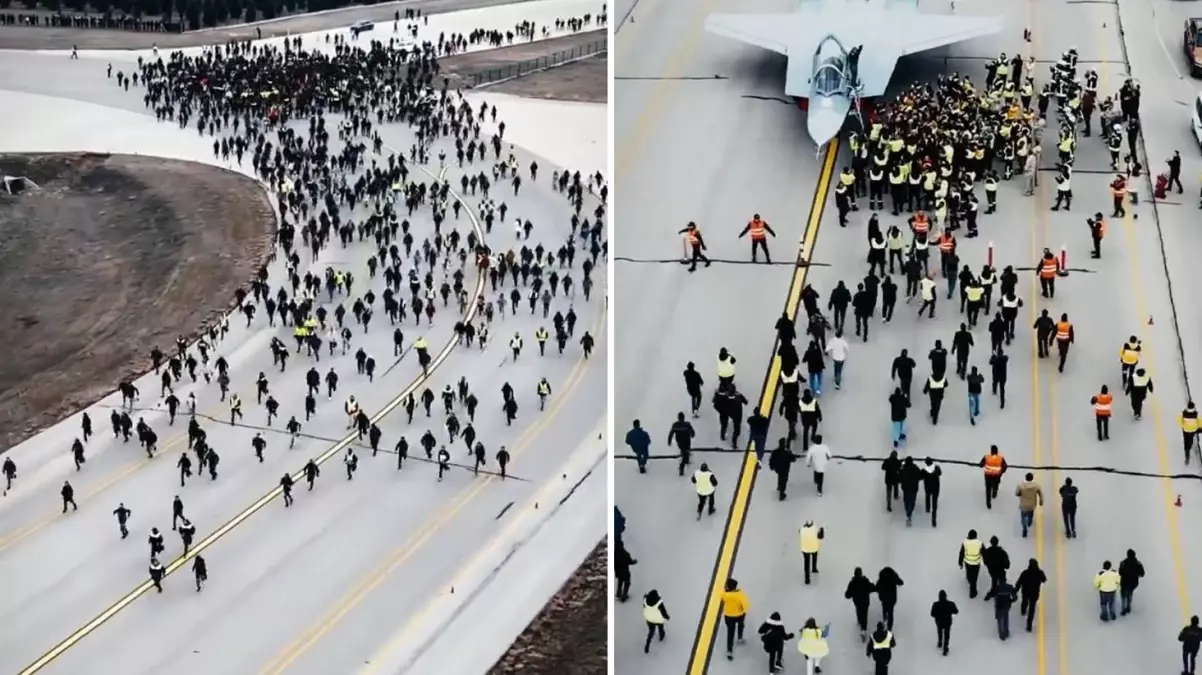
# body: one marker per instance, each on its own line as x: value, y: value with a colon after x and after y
x: 586, y: 80
x: 570, y: 634
x: 114, y: 255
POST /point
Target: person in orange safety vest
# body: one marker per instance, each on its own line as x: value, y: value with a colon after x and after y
x: 1097, y: 232
x: 1118, y: 192
x: 993, y: 465
x: 1049, y: 268
x: 759, y: 231
x: 697, y: 244
x: 1102, y: 404
x: 1064, y: 338
x: 947, y: 248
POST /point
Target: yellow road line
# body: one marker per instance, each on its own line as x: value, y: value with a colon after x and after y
x: 707, y: 629
x: 359, y: 593
x: 263, y: 501
x: 1136, y: 284
x: 1041, y: 647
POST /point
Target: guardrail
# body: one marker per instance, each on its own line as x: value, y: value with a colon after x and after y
x: 553, y: 60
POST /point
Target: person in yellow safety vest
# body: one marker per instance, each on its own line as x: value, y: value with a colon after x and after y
x: 1129, y: 357
x: 970, y: 561
x: 1138, y: 388
x: 726, y: 369
x: 235, y: 408
x: 927, y: 292
x: 656, y: 615
x: 1064, y: 337
x: 705, y: 483
x: 352, y: 409
x: 812, y: 645
x: 811, y: 542
x: 734, y: 614
x: 1064, y: 191
x: 544, y: 390
x: 422, y: 347
x: 1189, y: 428
x: 880, y: 648
x: 848, y: 180
x: 1107, y: 582
x: 897, y: 186
x: 759, y: 231
x: 515, y: 344
x: 541, y: 336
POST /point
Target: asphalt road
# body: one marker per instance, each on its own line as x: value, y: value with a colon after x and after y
x: 701, y: 150
x: 18, y: 37
x: 293, y: 579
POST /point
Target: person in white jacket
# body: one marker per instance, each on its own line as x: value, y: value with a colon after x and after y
x: 837, y: 349
x: 818, y: 457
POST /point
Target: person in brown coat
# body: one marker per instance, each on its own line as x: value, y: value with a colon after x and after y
x: 1030, y: 496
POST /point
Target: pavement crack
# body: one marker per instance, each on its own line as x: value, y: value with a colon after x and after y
x: 757, y: 97
x: 682, y: 78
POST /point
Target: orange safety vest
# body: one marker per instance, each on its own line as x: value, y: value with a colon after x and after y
x: 1118, y: 189
x: 757, y: 230
x: 1101, y: 228
x: 947, y: 242
x: 1047, y: 269
x: 694, y: 237
x: 993, y: 465
x: 1101, y: 405
x: 1062, y: 331
x: 921, y: 225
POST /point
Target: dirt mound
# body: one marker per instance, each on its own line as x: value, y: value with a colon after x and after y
x: 570, y: 634
x: 108, y: 257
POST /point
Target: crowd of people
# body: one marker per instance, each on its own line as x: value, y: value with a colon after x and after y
x: 924, y: 157
x: 311, y: 126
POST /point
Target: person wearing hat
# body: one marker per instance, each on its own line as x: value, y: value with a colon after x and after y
x: 774, y: 636
x: 812, y: 645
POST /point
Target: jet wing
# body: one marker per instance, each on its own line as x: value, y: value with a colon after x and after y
x: 773, y: 32
x: 909, y: 34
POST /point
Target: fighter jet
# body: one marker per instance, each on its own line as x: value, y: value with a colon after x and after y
x: 831, y: 77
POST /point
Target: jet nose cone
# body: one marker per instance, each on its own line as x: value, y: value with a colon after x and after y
x: 826, y: 115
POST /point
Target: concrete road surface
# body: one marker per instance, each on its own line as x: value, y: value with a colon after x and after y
x: 691, y: 147
x: 320, y: 587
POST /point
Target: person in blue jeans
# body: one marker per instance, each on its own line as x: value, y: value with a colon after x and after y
x: 815, y: 364
x: 899, y: 409
x: 976, y: 385
x: 1003, y: 596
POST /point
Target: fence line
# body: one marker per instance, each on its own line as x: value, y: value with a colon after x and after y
x: 510, y: 71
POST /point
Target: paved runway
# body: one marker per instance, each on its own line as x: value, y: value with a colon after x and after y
x: 320, y: 587
x: 690, y: 147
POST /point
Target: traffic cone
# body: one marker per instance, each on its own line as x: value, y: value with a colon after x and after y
x: 1150, y: 323
x: 1178, y: 502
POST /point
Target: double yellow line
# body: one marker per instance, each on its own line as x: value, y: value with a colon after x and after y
x: 380, y: 574
x: 707, y: 629
x: 114, y: 609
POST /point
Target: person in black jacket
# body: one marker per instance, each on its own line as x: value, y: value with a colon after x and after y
x: 1029, y: 583
x: 996, y: 562
x: 859, y: 591
x: 942, y: 611
x: 1003, y: 596
x: 1131, y: 570
x: 781, y: 462
x: 892, y: 470
x: 622, y: 562
x: 887, y: 583
x: 774, y: 636
x: 931, y: 474
x: 910, y: 478
x: 1190, y: 638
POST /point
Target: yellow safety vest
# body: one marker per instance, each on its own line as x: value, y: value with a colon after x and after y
x: 1129, y: 355
x: 541, y: 335
x: 789, y: 378
x: 652, y: 613
x: 421, y: 343
x: 972, y: 551
x: 896, y: 243
x: 936, y: 384
x: 883, y: 644
x: 1108, y: 581
x: 809, y: 539
x: 808, y: 407
x: 705, y: 486
x: 1140, y: 380
x: 543, y: 389
x: 1010, y: 303
x: 725, y: 368
x: 974, y: 293
x: 1189, y: 421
